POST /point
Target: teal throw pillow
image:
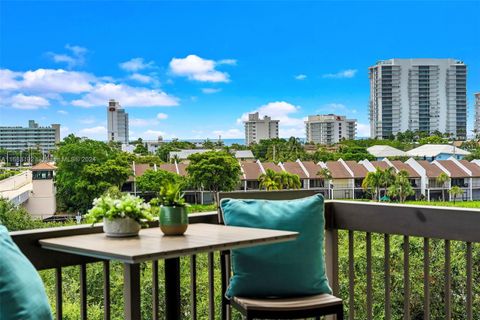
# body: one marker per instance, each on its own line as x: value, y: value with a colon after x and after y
x: 287, y: 269
x: 22, y: 294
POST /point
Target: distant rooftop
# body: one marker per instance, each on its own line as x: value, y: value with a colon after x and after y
x: 381, y: 151
x: 433, y: 150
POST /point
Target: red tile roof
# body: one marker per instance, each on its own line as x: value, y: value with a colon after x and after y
x: 140, y: 168
x: 295, y: 168
x: 359, y: 171
x: 170, y: 167
x: 337, y: 170
x: 474, y: 168
x: 182, y: 169
x: 312, y: 169
x: 272, y: 166
x: 405, y: 166
x: 252, y: 170
x: 431, y: 170
x: 43, y: 166
x: 455, y: 171
x: 380, y: 164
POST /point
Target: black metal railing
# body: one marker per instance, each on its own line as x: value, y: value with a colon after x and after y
x: 351, y: 227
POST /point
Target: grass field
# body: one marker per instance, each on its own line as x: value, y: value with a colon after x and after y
x: 460, y: 204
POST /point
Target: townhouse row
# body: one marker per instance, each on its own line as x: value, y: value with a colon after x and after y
x: 347, y: 177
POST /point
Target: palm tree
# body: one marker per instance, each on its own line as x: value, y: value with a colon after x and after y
x: 401, y: 188
x: 441, y: 179
x: 372, y: 183
x: 325, y: 174
x: 269, y: 180
x: 387, y: 177
x: 455, y: 191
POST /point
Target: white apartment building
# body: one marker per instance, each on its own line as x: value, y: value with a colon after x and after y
x: 477, y: 113
x: 257, y: 129
x: 117, y: 120
x: 418, y: 94
x: 329, y: 128
x: 33, y: 136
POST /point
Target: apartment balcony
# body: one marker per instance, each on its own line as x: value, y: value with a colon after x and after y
x: 385, y: 261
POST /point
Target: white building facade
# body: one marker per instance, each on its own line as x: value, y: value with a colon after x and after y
x: 257, y: 129
x: 33, y: 136
x: 418, y: 94
x: 329, y: 128
x: 117, y: 120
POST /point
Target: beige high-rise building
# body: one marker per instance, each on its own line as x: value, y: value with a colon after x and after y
x: 329, y: 128
x: 117, y: 120
x: 477, y: 113
x: 418, y: 94
x: 33, y: 136
x: 257, y: 129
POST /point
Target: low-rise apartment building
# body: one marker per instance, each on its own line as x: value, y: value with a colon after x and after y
x: 33, y: 136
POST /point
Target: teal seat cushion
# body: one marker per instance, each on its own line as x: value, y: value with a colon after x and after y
x: 287, y: 269
x: 22, y: 294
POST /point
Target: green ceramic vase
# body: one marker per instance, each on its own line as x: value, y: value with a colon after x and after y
x: 173, y: 220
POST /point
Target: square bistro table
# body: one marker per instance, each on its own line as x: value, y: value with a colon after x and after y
x: 151, y: 244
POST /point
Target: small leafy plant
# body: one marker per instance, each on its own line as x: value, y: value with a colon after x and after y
x: 170, y: 195
x: 119, y: 206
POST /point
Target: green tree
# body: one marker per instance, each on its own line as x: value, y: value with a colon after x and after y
x: 269, y: 180
x: 441, y: 179
x: 455, y: 191
x: 152, y: 181
x: 86, y: 169
x: 288, y: 180
x: 141, y: 149
x: 401, y: 188
x: 214, y: 171
x: 372, y: 183
x: 387, y: 178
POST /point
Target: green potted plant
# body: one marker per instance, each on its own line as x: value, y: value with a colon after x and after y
x: 122, y: 214
x: 173, y: 218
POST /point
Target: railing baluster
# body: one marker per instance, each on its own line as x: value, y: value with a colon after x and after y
x: 193, y: 286
x: 351, y: 276
x: 388, y: 305
x: 406, y: 278
x: 426, y: 278
x: 448, y: 282
x: 469, y: 282
x: 155, y: 289
x: 211, y: 285
x: 369, y: 276
x: 83, y: 291
x: 58, y: 293
x: 106, y: 290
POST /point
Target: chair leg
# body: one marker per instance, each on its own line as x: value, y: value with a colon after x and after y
x: 340, y: 314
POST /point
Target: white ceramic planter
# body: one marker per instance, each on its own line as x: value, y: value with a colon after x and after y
x: 121, y: 227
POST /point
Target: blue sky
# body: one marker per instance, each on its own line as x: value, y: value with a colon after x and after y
x: 194, y: 69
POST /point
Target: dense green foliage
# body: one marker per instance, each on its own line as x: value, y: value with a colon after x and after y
x: 86, y: 169
x: 214, y: 171
x: 17, y: 218
x: 4, y: 174
x: 152, y: 181
x: 279, y: 150
x: 401, y: 187
x: 271, y: 180
x: 164, y: 149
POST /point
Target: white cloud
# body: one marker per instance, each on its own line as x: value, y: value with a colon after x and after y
x: 136, y: 64
x: 98, y: 132
x: 231, y: 62
x: 88, y: 120
x: 9, y: 80
x: 195, y: 68
x: 281, y: 110
x: 127, y: 95
x: 363, y: 130
x: 349, y: 73
x: 143, y: 78
x: 162, y: 116
x: 211, y: 90
x: 229, y: 134
x: 152, y: 134
x: 138, y: 122
x: 62, y: 112
x: 21, y: 101
x: 57, y: 81
x: 300, y: 77
x: 76, y: 57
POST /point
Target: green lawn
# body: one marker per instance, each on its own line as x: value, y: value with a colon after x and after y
x: 460, y: 204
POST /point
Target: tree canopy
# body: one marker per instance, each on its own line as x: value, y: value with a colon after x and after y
x: 214, y: 171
